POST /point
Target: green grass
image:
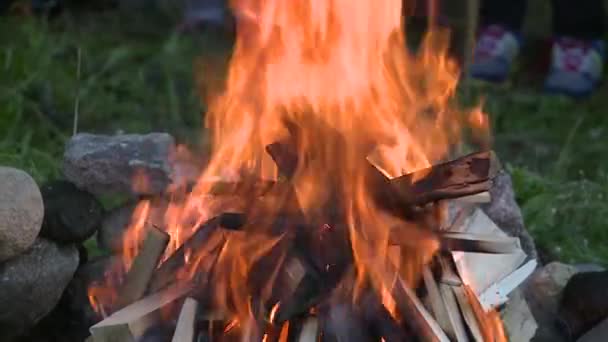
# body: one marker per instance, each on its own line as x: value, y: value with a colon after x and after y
x: 138, y: 76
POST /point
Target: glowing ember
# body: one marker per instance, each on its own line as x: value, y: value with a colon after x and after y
x: 334, y: 77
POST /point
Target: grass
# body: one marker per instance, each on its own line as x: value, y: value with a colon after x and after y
x: 138, y: 76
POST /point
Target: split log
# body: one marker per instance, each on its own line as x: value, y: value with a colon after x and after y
x: 477, y: 243
x: 453, y: 313
x: 437, y: 305
x: 309, y: 331
x: 467, y: 312
x: 448, y: 275
x: 184, y: 331
x: 496, y: 294
x: 207, y: 236
x: 463, y: 242
x: 480, y: 198
x: 468, y: 175
x: 478, y: 270
x: 302, y: 294
x: 140, y: 273
x: 131, y: 322
x: 408, y: 305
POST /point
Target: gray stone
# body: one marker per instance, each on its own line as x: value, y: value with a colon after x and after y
x: 21, y: 212
x: 543, y: 291
x: 505, y: 212
x: 105, y: 164
x: 518, y: 320
x: 31, y: 285
x: 115, y: 224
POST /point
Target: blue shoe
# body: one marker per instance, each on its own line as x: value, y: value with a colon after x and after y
x: 494, y: 54
x: 576, y: 68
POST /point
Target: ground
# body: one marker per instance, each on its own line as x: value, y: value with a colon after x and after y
x: 118, y: 73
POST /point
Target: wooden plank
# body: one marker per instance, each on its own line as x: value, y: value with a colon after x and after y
x: 142, y: 268
x: 448, y: 276
x: 497, y: 293
x: 477, y: 243
x: 480, y: 198
x: 184, y: 331
x: 467, y: 312
x: 421, y: 320
x: 478, y: 270
x: 468, y: 175
x: 130, y: 323
x: 436, y: 302
x: 453, y: 313
x: 309, y: 331
x: 206, y: 237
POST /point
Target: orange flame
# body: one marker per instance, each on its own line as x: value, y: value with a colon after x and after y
x: 335, y: 77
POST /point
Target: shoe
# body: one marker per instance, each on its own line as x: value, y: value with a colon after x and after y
x: 576, y: 67
x: 494, y: 54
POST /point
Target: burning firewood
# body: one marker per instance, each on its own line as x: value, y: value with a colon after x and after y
x: 468, y: 175
x: 184, y: 331
x: 467, y: 312
x: 207, y: 236
x: 132, y: 321
x: 140, y: 273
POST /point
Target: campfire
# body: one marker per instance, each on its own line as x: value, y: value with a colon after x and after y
x: 332, y: 207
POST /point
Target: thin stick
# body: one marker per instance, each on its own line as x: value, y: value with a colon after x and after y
x: 77, y: 101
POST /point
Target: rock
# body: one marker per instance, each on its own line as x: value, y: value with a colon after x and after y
x: 543, y: 291
x: 589, y: 268
x: 71, y: 215
x: 32, y: 284
x: 21, y: 212
x: 505, y: 212
x: 128, y: 163
x: 71, y: 318
x: 517, y: 318
x: 584, y: 302
x: 115, y: 224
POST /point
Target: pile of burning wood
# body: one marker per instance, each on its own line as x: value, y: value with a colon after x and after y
x: 316, y: 291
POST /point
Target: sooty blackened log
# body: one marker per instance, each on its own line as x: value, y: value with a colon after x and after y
x: 464, y: 176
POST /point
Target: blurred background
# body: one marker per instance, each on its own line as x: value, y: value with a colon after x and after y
x: 110, y: 66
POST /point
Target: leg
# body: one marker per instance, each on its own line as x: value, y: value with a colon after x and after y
x: 578, y: 48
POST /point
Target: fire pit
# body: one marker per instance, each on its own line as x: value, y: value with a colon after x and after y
x: 327, y: 210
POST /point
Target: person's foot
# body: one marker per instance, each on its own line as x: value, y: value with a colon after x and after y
x: 576, y: 67
x: 494, y: 54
